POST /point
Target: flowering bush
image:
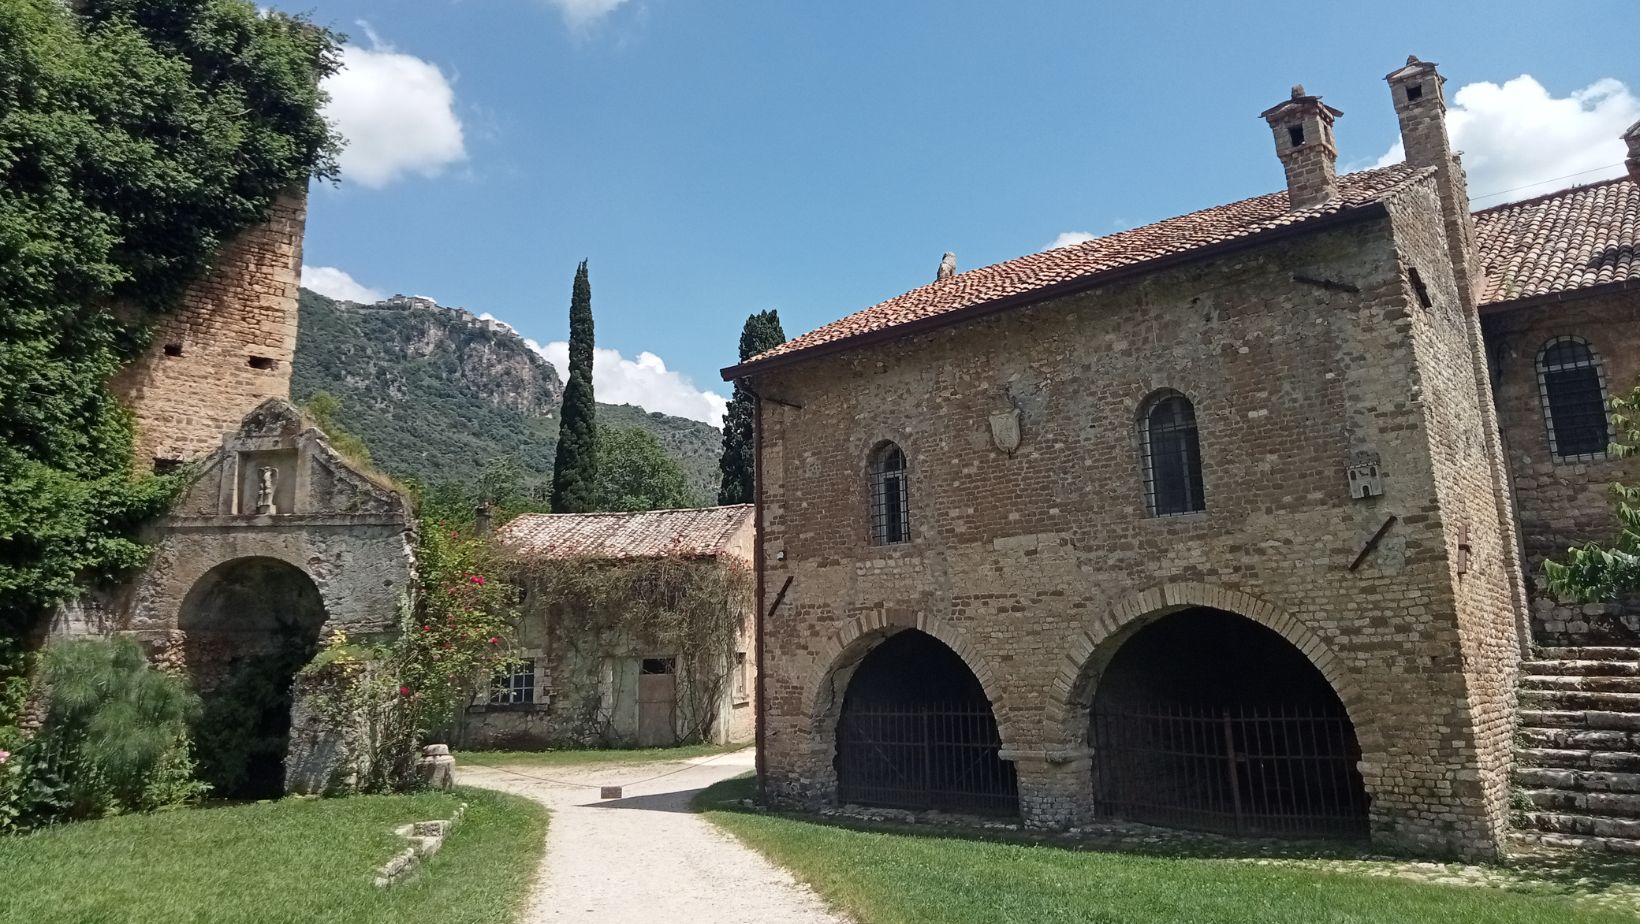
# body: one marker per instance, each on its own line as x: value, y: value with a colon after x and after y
x: 455, y: 633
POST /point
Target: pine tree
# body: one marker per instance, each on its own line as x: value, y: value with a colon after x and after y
x: 575, y: 468
x: 762, y: 332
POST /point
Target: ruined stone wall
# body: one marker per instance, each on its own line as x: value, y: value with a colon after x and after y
x: 1561, y: 503
x: 224, y: 348
x: 1034, y: 566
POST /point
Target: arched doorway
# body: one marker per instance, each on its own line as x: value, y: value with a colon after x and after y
x: 916, y: 731
x: 1206, y: 720
x: 249, y: 625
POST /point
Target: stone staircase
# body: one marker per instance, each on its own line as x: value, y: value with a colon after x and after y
x: 1577, y: 749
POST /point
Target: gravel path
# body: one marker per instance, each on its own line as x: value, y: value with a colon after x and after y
x: 646, y: 857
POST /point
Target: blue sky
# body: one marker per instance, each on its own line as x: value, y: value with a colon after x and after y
x: 714, y: 158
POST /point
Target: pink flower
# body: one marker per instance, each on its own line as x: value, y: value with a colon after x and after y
x: 5, y: 756
x: 454, y: 534
x: 404, y: 691
x: 494, y: 640
x: 426, y: 628
x: 477, y: 579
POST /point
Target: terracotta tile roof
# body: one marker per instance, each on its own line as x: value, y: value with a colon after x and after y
x: 1090, y: 259
x: 1573, y: 239
x: 692, y: 533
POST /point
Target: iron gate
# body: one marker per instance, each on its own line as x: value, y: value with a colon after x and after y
x: 1275, y: 771
x: 924, y: 757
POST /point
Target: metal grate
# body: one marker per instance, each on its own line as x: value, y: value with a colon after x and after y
x: 924, y: 757
x: 1172, y: 457
x: 517, y: 686
x: 890, y: 506
x: 1572, y: 387
x: 1271, y: 771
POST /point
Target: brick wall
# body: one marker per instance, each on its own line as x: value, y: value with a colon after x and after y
x: 1035, y: 566
x: 225, y: 347
x: 1563, y: 503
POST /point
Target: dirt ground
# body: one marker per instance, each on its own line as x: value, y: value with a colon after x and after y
x: 645, y: 857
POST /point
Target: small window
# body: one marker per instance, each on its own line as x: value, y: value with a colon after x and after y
x: 1172, y: 456
x: 1296, y: 133
x: 173, y: 349
x: 1572, y: 387
x: 166, y: 466
x: 1415, y: 92
x: 262, y: 362
x: 515, y: 687
x: 890, y: 506
x: 1418, y: 287
x: 743, y: 683
x: 658, y: 666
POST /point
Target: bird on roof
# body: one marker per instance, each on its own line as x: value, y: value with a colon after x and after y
x: 948, y: 266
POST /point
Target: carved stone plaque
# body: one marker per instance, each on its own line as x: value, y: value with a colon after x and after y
x: 1005, y: 430
x: 1365, y: 478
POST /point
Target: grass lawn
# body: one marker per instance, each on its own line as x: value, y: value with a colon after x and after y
x: 296, y: 860
x: 576, y: 758
x: 897, y: 877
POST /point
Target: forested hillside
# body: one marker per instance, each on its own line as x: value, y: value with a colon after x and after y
x: 435, y: 393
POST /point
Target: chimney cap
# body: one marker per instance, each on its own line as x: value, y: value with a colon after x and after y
x: 1299, y: 103
x: 1632, y: 136
x: 1413, y: 68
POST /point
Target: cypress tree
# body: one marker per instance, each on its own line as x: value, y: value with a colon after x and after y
x: 762, y: 332
x: 575, y: 467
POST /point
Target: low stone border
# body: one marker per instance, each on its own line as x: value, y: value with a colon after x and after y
x: 425, y: 837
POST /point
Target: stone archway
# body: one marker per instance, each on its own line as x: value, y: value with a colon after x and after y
x: 248, y: 625
x: 1204, y: 707
x: 848, y: 656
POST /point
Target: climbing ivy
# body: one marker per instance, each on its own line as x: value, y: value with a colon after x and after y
x: 136, y: 136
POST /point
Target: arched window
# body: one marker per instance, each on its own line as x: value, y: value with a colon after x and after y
x: 1173, y: 456
x: 890, y: 509
x: 1572, y: 386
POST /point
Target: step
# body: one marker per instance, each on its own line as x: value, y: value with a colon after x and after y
x: 1607, y: 804
x: 1584, y: 668
x: 1579, y: 739
x: 1578, y: 699
x: 1578, y: 759
x: 1579, y: 719
x: 1622, y: 845
x: 1577, y: 780
x: 1600, y: 653
x: 1581, y: 683
x: 1586, y: 825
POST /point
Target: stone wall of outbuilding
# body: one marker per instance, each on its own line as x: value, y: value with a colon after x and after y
x: 1034, y: 565
x: 1562, y: 503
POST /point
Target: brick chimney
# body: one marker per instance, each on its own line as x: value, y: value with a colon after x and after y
x: 1632, y: 136
x: 1417, y: 90
x: 1303, y: 128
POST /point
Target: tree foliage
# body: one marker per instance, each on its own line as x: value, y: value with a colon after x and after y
x: 136, y: 136
x: 635, y: 473
x: 761, y: 332
x: 575, y: 467
x: 1606, y: 572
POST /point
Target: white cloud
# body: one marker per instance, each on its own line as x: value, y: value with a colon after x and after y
x: 335, y: 283
x: 1069, y: 238
x: 397, y: 113
x: 644, y: 381
x: 580, y: 14
x: 1518, y: 138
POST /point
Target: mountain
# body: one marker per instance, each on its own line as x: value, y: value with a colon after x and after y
x: 436, y: 392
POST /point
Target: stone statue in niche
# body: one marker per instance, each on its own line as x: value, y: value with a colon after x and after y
x: 267, y: 479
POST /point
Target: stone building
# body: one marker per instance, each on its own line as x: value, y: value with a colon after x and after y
x: 276, y: 542
x: 605, y: 673
x: 1209, y: 523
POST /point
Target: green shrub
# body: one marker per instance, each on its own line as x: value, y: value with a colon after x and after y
x: 114, y: 736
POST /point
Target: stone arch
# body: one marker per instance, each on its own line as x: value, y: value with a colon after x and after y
x: 1090, y: 651
x: 246, y: 627
x: 842, y: 653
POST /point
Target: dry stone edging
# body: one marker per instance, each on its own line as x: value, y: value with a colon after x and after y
x: 425, y: 837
